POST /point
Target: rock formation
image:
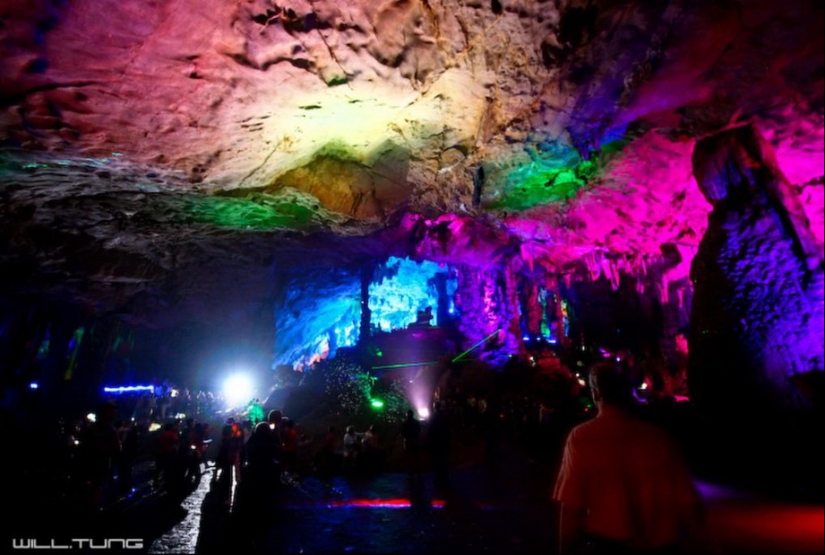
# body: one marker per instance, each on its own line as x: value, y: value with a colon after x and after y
x: 165, y: 164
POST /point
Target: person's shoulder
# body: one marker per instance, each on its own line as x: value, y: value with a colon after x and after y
x: 652, y: 435
x: 583, y: 430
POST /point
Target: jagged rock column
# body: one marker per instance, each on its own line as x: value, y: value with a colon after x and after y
x: 756, y: 332
x: 487, y: 300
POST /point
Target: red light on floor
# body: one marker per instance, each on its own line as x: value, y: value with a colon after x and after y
x: 399, y: 503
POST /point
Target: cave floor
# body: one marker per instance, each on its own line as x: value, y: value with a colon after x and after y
x: 486, y: 510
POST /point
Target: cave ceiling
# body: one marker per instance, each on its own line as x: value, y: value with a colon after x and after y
x: 164, y: 159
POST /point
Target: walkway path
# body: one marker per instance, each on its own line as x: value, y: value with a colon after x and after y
x: 484, y: 513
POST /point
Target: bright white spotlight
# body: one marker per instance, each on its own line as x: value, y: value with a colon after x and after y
x: 423, y: 413
x: 237, y: 389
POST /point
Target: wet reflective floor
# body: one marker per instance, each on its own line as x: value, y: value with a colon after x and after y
x: 504, y: 511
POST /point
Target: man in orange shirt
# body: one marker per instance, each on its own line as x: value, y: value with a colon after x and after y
x: 623, y: 485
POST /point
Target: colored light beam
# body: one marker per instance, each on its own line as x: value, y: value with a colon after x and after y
x: 74, y: 347
x: 404, y: 365
x: 475, y: 346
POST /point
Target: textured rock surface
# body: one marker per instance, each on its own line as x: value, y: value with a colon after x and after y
x: 757, y: 322
x: 756, y: 327
x: 156, y: 152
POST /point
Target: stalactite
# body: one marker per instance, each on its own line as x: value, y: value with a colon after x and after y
x: 637, y: 269
x: 593, y: 262
x: 610, y: 271
x: 663, y: 285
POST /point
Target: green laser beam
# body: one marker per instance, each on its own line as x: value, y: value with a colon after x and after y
x: 403, y: 365
x: 476, y: 345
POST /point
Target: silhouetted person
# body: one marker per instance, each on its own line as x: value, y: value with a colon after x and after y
x: 188, y: 453
x: 261, y: 469
x: 199, y: 441
x: 99, y: 448
x: 371, y: 450
x: 225, y: 464
x: 326, y: 455
x: 289, y: 445
x: 275, y: 418
x: 166, y: 455
x: 352, y: 447
x: 490, y: 428
x: 623, y: 485
x: 130, y: 441
x: 438, y: 442
x: 411, y: 436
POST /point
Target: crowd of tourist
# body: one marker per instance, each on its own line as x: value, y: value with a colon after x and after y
x: 164, y: 440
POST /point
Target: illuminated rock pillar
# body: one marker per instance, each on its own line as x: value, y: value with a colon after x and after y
x: 488, y: 302
x: 511, y: 316
x: 555, y: 309
x: 532, y: 309
x: 756, y: 330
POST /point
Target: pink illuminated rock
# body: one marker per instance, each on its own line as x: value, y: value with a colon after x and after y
x: 757, y: 321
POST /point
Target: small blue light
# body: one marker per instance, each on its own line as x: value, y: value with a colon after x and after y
x: 33, y: 385
x: 526, y: 338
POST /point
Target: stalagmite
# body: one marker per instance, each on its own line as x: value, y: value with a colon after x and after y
x: 757, y: 317
x: 756, y: 332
